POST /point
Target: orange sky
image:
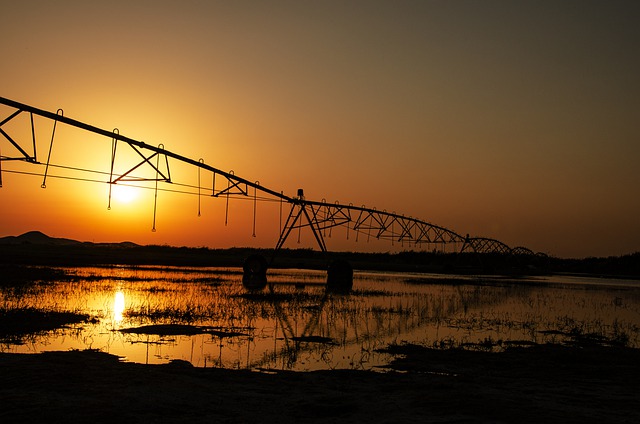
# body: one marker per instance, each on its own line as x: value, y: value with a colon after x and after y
x: 511, y: 120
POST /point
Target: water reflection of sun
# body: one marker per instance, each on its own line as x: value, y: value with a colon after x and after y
x: 118, y: 306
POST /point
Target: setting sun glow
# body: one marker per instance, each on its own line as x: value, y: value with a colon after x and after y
x: 124, y: 193
x: 515, y: 121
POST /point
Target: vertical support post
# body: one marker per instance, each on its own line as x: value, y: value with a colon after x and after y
x: 155, y: 197
x: 226, y: 207
x: 59, y: 112
x: 280, y: 219
x: 200, y: 161
x: 114, y: 146
x: 255, y: 199
x: 33, y: 137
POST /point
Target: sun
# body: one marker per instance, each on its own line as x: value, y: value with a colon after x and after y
x: 124, y: 193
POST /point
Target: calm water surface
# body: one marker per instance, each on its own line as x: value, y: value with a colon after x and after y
x: 297, y: 326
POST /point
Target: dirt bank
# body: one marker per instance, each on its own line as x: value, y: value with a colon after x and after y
x: 532, y: 385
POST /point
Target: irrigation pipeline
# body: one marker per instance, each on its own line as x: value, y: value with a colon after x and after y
x: 319, y: 216
x: 116, y: 136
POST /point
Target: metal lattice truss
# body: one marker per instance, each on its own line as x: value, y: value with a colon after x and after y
x: 28, y: 157
x: 486, y: 245
x: 319, y: 217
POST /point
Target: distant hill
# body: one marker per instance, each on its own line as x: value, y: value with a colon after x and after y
x: 39, y: 238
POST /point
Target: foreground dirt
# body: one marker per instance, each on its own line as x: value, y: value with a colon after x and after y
x: 538, y: 384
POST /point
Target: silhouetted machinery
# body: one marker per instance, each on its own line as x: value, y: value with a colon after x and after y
x: 317, y: 216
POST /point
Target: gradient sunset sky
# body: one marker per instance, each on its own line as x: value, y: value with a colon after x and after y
x: 514, y: 120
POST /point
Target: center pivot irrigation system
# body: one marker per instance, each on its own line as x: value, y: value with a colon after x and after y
x: 319, y: 216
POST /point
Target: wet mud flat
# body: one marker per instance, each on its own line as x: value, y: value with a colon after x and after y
x: 545, y: 383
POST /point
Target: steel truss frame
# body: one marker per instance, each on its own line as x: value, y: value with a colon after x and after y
x: 319, y: 217
x: 370, y: 222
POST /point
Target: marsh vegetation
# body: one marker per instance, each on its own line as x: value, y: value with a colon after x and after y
x: 203, y: 315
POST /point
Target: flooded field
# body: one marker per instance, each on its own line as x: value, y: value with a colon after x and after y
x: 206, y: 317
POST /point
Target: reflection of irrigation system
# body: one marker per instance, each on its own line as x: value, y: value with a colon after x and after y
x: 334, y: 332
x: 319, y: 216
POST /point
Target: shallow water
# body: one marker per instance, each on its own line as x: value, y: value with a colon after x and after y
x: 297, y: 326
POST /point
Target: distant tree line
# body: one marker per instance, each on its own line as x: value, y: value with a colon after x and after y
x: 79, y: 254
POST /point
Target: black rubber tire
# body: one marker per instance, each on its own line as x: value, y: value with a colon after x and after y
x: 339, y: 277
x: 254, y: 275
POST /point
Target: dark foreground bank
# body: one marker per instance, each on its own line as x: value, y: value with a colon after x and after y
x: 524, y: 385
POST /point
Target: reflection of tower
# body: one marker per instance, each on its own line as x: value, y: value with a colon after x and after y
x: 118, y: 306
x: 294, y: 342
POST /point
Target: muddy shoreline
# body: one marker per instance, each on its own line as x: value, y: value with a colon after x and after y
x: 547, y: 383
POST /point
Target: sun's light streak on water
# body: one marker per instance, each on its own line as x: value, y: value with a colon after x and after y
x: 118, y: 306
